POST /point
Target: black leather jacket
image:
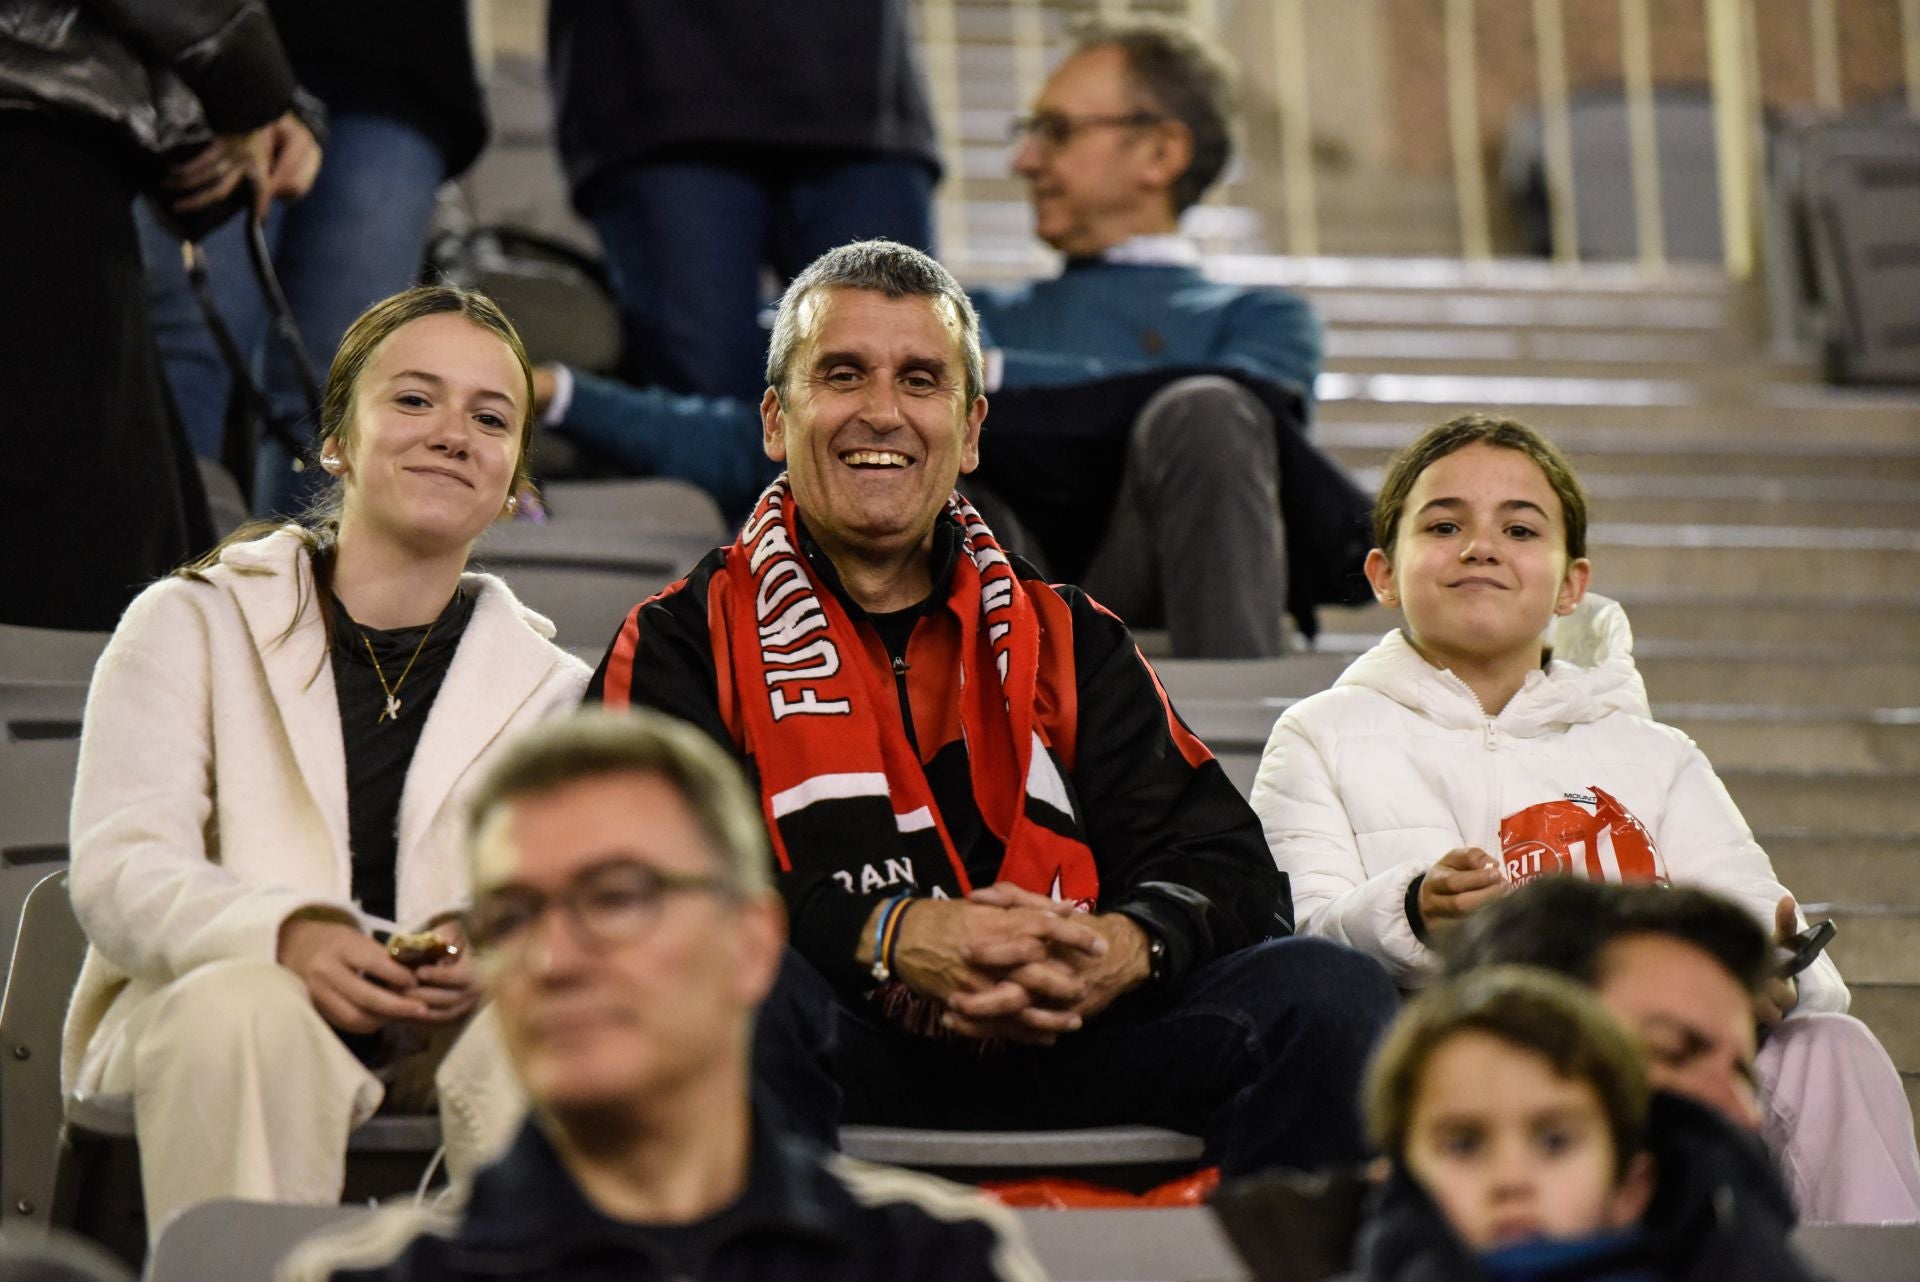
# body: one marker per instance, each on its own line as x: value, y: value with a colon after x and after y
x: 163, y: 75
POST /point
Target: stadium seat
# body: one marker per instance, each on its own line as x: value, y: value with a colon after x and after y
x: 47, y: 953
x: 36, y: 794
x: 43, y: 680
x: 1128, y: 1156
x: 58, y: 1258
x: 245, y: 1241
x: 606, y: 546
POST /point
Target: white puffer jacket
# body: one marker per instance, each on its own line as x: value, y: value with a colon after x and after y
x: 1365, y: 785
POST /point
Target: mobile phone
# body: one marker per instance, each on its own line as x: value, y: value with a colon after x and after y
x: 1797, y: 952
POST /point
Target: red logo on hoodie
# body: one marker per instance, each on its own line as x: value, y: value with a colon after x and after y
x: 1600, y: 840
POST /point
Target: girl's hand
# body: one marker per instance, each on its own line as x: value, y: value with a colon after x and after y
x: 1460, y: 881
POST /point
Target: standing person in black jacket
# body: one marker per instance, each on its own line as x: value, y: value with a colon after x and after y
x: 626, y: 925
x: 404, y: 114
x: 707, y: 141
x: 1023, y: 894
x: 98, y: 98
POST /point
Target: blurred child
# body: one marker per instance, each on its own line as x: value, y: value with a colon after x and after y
x: 1513, y: 1110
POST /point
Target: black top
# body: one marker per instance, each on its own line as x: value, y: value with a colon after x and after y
x: 633, y: 79
x: 407, y: 60
x: 380, y: 748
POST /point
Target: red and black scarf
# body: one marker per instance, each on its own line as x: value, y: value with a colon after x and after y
x: 842, y: 787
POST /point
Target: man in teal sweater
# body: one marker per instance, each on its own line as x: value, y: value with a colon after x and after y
x: 1131, y: 130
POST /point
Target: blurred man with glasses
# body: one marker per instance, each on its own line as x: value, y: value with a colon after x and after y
x: 626, y: 928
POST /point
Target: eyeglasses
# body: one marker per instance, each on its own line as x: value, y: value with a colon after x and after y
x: 1053, y: 131
x: 608, y: 904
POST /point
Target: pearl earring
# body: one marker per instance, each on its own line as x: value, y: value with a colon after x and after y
x: 513, y: 503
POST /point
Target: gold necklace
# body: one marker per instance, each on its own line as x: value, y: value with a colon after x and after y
x: 393, y: 691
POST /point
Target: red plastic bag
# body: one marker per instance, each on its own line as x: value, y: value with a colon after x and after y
x: 1054, y: 1194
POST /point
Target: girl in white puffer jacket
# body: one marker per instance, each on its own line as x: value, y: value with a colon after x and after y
x: 1448, y: 765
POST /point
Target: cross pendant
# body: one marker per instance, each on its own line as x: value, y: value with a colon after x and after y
x: 393, y: 708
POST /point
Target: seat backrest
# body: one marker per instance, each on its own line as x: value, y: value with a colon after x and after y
x: 59, y: 1257
x: 36, y: 796
x: 46, y: 961
x: 40, y: 709
x: 652, y: 504
x: 1147, y: 1245
x: 237, y: 1241
x: 1864, y: 197
x: 49, y: 654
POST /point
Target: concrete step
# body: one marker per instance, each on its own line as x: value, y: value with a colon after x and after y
x: 1360, y: 445
x: 1635, y: 498
x: 1812, y: 680
x: 1353, y: 347
x: 1831, y: 804
x: 1730, y: 562
x: 1877, y: 947
x: 1788, y: 738
x: 1848, y: 870
x: 1623, y: 405
x: 1882, y: 624
x: 1893, y: 1012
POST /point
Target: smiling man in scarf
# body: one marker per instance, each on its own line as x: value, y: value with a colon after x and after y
x: 1022, y: 893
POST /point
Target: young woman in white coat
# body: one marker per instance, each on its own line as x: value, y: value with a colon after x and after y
x: 1450, y: 763
x: 276, y: 744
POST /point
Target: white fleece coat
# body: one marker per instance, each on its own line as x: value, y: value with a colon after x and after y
x: 211, y: 800
x: 1365, y: 785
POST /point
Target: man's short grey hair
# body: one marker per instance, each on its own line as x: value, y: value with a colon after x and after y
x: 594, y: 742
x: 884, y: 267
x: 1183, y: 75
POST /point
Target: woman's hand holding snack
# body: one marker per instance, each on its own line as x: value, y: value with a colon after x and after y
x: 443, y: 972
x: 354, y: 984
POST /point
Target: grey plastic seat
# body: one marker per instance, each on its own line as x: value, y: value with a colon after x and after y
x: 36, y: 795
x: 1043, y: 1151
x: 238, y: 1241
x: 49, y: 654
x: 1863, y: 196
x: 586, y: 571
x: 47, y: 952
x: 58, y: 1257
x: 246, y: 1241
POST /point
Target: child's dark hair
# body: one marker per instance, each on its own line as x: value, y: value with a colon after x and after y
x: 1530, y: 1009
x: 1471, y: 429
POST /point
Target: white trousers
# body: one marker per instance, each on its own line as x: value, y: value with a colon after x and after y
x: 241, y: 1090
x: 1837, y: 1120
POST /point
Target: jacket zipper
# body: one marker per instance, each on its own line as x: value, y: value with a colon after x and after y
x: 906, y: 707
x: 1487, y: 741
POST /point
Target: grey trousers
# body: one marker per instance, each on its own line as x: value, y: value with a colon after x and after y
x: 1196, y: 544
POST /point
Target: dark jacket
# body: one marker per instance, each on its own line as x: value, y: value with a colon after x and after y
x: 157, y: 75
x: 635, y: 79
x: 805, y: 1215
x: 1719, y: 1212
x: 1174, y: 843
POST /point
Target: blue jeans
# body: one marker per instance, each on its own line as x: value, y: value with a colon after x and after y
x: 686, y: 240
x: 1260, y: 1052
x: 357, y: 237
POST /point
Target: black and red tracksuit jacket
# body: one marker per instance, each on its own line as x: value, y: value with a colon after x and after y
x: 1176, y: 846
